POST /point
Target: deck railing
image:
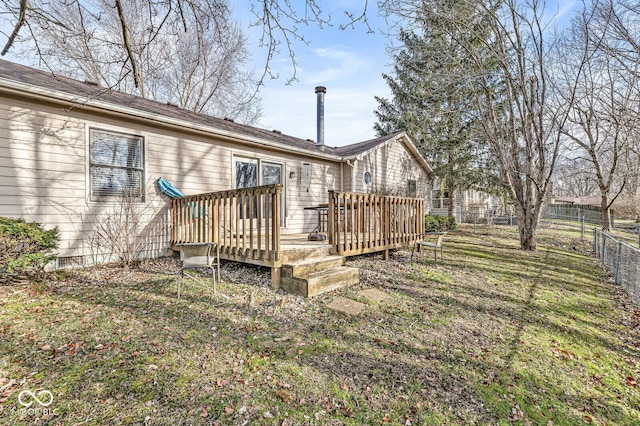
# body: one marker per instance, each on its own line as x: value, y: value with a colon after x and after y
x: 365, y: 223
x: 244, y: 222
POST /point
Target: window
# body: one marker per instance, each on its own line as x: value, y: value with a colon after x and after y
x: 116, y: 165
x: 367, y: 178
x: 246, y: 177
x: 306, y: 172
x: 411, y: 188
x: 246, y: 173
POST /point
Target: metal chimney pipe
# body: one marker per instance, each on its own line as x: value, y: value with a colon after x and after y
x: 320, y: 91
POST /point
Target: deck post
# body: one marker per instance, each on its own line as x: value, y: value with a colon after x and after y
x: 275, y: 278
x: 385, y: 255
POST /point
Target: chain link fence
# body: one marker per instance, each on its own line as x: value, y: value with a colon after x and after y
x: 621, y: 259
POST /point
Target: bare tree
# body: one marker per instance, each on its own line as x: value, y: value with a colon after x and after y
x: 281, y: 23
x: 509, y: 70
x: 574, y: 177
x: 603, y: 116
x: 185, y: 52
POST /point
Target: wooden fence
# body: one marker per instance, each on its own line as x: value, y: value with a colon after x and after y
x: 365, y: 223
x: 244, y: 222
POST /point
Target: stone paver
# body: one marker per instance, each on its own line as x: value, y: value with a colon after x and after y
x: 347, y: 306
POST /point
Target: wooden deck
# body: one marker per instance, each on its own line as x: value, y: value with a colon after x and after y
x: 246, y: 225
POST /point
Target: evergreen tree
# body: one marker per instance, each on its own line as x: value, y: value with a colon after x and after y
x: 434, y: 107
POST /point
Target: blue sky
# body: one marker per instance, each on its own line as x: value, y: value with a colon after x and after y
x: 350, y: 63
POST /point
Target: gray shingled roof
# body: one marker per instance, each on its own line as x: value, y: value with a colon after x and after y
x: 47, y: 80
x: 362, y: 147
x: 83, y: 90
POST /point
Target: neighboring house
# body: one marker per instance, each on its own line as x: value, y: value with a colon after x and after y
x: 469, y: 203
x: 68, y: 147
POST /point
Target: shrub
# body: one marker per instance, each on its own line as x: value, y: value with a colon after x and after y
x: 439, y: 223
x: 25, y: 248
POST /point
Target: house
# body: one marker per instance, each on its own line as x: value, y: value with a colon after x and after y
x: 470, y: 204
x: 68, y: 148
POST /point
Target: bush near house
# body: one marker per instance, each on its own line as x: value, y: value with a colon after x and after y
x: 439, y: 223
x: 25, y: 248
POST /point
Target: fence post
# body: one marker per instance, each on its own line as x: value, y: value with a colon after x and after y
x: 475, y: 222
x: 595, y: 241
x: 618, y: 256
x: 582, y: 227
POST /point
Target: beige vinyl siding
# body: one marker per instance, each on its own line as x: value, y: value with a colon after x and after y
x: 391, y: 167
x: 44, y: 170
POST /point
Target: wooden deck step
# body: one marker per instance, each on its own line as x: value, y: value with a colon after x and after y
x: 294, y: 254
x: 314, y: 269
x: 306, y: 267
x: 321, y: 282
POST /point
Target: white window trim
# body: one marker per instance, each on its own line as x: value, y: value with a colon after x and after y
x: 89, y: 129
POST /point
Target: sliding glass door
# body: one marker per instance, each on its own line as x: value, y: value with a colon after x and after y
x: 247, y: 176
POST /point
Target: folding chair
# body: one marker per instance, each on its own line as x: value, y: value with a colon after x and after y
x: 437, y: 244
x: 197, y: 256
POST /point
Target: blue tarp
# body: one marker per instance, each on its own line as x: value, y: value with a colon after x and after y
x: 168, y: 189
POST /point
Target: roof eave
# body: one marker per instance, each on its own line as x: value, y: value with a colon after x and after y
x: 82, y: 101
x: 402, y: 137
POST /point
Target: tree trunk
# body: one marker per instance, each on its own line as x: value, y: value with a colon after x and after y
x: 452, y: 200
x: 606, y: 218
x: 528, y: 218
x: 527, y: 237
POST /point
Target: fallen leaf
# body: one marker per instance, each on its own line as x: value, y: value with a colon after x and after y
x: 46, y: 347
x: 284, y: 395
x: 228, y: 410
x: 588, y: 419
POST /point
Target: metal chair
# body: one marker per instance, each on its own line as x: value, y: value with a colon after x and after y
x: 437, y: 244
x: 199, y: 256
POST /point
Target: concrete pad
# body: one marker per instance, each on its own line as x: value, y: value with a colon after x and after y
x: 374, y: 295
x: 347, y: 306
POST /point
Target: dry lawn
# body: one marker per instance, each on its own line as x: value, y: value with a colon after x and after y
x: 490, y: 336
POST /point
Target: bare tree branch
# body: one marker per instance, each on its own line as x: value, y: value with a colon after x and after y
x: 16, y: 30
x: 127, y: 45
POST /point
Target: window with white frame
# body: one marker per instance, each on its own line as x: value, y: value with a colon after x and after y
x: 116, y: 165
